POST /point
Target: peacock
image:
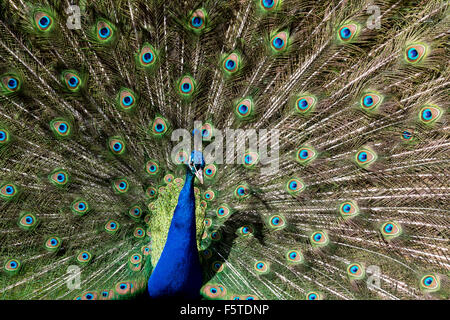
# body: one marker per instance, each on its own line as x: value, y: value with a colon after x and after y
x: 224, y: 150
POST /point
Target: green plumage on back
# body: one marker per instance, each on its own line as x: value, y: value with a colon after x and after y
x: 161, y: 212
x: 352, y: 105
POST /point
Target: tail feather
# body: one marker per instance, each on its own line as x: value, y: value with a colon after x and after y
x: 354, y: 207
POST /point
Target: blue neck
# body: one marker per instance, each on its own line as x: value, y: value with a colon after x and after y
x: 178, y: 272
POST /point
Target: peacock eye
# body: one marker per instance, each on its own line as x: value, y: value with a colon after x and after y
x: 261, y: 267
x: 269, y: 5
x: 8, y: 191
x: 120, y: 186
x: 43, y: 21
x: 60, y: 128
x: 135, y: 212
x: 241, y: 192
x: 59, y: 178
x: 217, y: 266
x: 90, y: 296
x: 135, y: 258
x: 139, y: 232
x: 147, y: 56
x: 4, y: 137
x: 152, y: 167
x: 209, y: 195
x: 27, y: 221
x: 319, y: 239
x: 355, y: 271
x: 213, y: 291
x: 279, y: 42
x: 126, y: 99
x: 112, y: 226
x: 168, y: 178
x: 12, y: 83
x: 145, y: 250
x: 186, y: 86
x: 306, y: 154
x: 294, y: 256
x: 250, y: 159
x: 181, y: 157
x: 151, y: 192
x: 430, y: 283
x: 80, y: 207
x: 231, y: 63
x: 276, y: 222
x: 206, y: 254
x: 123, y: 287
x: 104, y: 31
x: 116, y: 145
x: 407, y: 134
x: 294, y: 186
x: 210, y: 171
x: 52, y: 244
x: 72, y: 81
x: 244, y: 109
x: 304, y: 104
x: 159, y: 126
x: 348, y: 209
x: 84, y: 257
x: 347, y: 32
x: 207, y: 132
x: 246, y: 230
x: 215, y: 235
x: 365, y: 157
x: 390, y: 230
x: 223, y: 211
x: 12, y: 266
x: 313, y: 296
x: 429, y: 114
x: 370, y: 101
x: 415, y: 53
x: 197, y: 20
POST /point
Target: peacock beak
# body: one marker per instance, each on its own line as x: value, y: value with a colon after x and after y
x: 199, y: 175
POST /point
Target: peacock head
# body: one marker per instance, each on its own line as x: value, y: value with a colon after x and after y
x: 196, y: 164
